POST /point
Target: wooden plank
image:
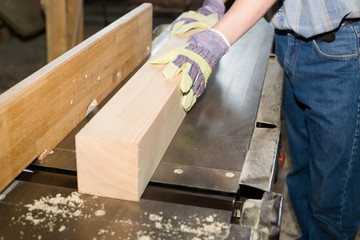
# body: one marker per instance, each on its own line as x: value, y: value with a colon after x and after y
x: 64, y: 26
x: 37, y: 113
x: 119, y: 149
x: 75, y: 22
x: 56, y: 28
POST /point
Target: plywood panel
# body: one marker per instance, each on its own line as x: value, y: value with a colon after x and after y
x: 120, y: 148
x: 37, y: 113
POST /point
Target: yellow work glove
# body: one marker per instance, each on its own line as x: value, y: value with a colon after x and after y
x: 193, y: 20
x: 205, y: 17
x: 195, y: 61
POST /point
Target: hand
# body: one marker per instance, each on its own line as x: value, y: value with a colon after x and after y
x: 205, y: 17
x: 196, y: 61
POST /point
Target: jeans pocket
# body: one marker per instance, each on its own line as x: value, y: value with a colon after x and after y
x: 345, y: 45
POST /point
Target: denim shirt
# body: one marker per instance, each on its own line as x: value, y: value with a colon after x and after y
x: 312, y: 17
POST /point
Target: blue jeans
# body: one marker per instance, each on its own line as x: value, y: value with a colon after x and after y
x: 322, y: 117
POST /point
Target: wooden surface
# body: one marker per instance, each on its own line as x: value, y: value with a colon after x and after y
x: 75, y: 22
x: 120, y: 148
x: 64, y: 26
x: 37, y: 113
x: 56, y: 28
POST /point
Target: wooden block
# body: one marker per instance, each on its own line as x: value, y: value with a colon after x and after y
x: 119, y: 149
x: 37, y: 113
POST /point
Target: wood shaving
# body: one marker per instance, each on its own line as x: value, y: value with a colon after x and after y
x: 154, y: 217
x: 48, y: 210
x: 100, y: 213
x: 62, y: 228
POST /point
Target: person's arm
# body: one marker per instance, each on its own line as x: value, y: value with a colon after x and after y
x: 242, y: 15
x: 204, y: 49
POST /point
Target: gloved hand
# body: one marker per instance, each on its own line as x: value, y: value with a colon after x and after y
x: 205, y: 17
x: 196, y: 61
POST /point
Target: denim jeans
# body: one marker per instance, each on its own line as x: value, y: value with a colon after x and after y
x: 322, y: 117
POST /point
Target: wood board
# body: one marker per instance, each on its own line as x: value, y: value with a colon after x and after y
x: 37, y: 113
x: 64, y: 26
x: 119, y: 149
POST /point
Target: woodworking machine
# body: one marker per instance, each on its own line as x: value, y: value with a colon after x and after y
x: 214, y: 181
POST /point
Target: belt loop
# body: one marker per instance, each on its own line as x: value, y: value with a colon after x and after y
x: 357, y: 28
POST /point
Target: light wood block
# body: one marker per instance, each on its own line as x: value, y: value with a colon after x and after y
x: 37, y: 113
x: 119, y: 149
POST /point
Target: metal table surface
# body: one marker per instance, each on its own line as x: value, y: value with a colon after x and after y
x: 38, y: 211
x: 211, y: 143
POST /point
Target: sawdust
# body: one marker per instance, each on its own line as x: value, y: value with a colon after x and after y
x: 47, y: 211
x: 62, y: 228
x: 209, y: 219
x: 100, y: 213
x: 154, y: 217
x: 52, y: 213
x: 204, y: 227
x: 141, y: 237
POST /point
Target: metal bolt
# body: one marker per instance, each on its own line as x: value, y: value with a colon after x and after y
x: 178, y: 171
x: 230, y: 175
x: 118, y: 74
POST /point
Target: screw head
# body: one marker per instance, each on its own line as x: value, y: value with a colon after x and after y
x: 178, y: 171
x: 229, y: 175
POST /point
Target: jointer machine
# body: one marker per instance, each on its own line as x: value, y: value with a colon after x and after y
x: 213, y: 182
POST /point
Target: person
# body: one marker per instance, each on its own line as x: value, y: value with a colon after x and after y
x: 317, y: 44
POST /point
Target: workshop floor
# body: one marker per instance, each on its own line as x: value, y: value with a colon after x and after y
x: 19, y: 58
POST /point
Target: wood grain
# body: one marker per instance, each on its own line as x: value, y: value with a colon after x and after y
x: 56, y: 28
x: 64, y: 26
x: 75, y: 22
x: 119, y: 149
x: 37, y: 113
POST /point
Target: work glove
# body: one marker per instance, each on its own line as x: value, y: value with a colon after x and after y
x: 195, y: 60
x: 205, y: 17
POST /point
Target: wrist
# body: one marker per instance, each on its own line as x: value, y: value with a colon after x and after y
x: 222, y: 36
